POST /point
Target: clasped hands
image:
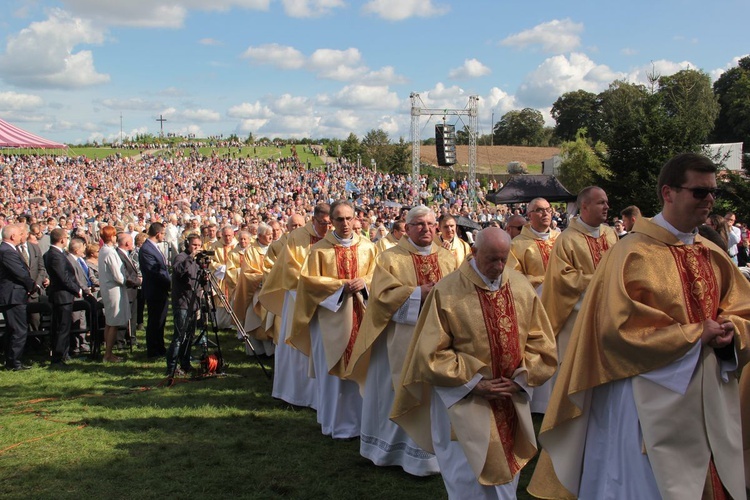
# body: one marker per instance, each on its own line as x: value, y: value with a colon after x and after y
x: 718, y: 333
x: 496, y: 388
x: 354, y: 285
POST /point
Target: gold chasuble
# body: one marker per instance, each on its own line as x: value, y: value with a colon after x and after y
x: 573, y: 260
x: 644, y: 310
x: 273, y: 252
x: 464, y: 330
x: 530, y: 254
x: 386, y: 242
x: 225, y: 257
x: 285, y: 273
x: 246, y: 298
x: 459, y: 248
x: 329, y: 266
x: 398, y: 271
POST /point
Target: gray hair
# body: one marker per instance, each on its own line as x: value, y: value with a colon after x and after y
x: 264, y: 228
x: 418, y: 211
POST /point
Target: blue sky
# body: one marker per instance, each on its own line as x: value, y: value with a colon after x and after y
x: 325, y: 68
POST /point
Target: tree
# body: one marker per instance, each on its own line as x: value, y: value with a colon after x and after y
x: 582, y: 163
x: 733, y: 92
x: 573, y: 111
x: 643, y: 129
x: 520, y: 128
x: 350, y: 148
x: 398, y: 160
x: 375, y: 145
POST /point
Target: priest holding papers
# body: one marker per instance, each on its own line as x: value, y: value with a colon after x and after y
x: 481, y: 344
x: 331, y: 299
x: 646, y: 403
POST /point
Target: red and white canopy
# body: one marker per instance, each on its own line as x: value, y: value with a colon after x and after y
x: 14, y: 137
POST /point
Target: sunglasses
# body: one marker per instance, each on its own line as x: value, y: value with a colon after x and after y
x: 702, y: 193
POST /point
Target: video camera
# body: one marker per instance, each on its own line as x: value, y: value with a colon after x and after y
x: 203, y: 258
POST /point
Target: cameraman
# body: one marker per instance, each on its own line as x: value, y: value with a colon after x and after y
x: 185, y: 304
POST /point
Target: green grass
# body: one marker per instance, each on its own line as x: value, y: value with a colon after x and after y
x: 110, y: 431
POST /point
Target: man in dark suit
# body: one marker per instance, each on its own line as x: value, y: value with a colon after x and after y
x: 132, y: 281
x: 63, y: 290
x: 76, y: 253
x: 32, y: 256
x: 156, y: 284
x: 15, y: 286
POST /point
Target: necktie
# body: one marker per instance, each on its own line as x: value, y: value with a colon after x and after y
x: 85, y: 268
x: 24, y: 254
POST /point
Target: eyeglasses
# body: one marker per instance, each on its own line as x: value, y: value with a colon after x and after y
x: 322, y: 222
x: 422, y: 225
x: 700, y: 193
x: 541, y: 211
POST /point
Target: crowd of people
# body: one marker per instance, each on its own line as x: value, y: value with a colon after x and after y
x: 429, y: 329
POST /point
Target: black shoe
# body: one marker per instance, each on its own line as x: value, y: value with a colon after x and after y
x: 60, y: 365
x: 19, y: 368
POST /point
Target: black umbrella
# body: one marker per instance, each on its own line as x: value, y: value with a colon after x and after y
x: 467, y: 223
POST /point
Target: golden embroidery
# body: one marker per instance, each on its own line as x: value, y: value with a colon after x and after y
x: 545, y: 247
x: 427, y: 268
x: 597, y: 247
x: 348, y: 268
x: 699, y: 287
x: 500, y: 320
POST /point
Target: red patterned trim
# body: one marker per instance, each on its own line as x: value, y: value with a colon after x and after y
x: 699, y: 287
x: 717, y: 489
x: 597, y: 247
x: 545, y: 248
x: 427, y: 268
x: 348, y: 268
x: 499, y: 312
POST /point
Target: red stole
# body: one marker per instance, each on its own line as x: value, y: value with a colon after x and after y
x: 499, y: 313
x: 348, y: 268
x: 699, y: 287
x: 545, y: 247
x: 427, y: 268
x: 597, y: 247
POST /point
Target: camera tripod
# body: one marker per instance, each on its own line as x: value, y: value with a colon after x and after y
x: 203, y: 291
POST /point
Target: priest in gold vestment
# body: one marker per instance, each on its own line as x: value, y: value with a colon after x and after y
x: 251, y: 278
x: 331, y: 301
x: 646, y: 403
x: 530, y: 251
x: 574, y: 258
x: 403, y: 277
x: 450, y: 240
x: 291, y: 382
x: 391, y: 239
x: 225, y: 267
x: 481, y: 344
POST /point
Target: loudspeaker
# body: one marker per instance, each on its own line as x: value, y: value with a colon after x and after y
x: 445, y: 144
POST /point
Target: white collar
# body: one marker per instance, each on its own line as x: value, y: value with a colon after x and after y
x: 686, y: 238
x: 493, y: 285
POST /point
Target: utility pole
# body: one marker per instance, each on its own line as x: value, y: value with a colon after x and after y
x: 120, y: 129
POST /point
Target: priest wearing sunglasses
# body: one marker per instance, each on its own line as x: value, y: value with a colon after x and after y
x: 646, y: 403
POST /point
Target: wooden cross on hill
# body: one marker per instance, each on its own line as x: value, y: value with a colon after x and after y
x: 161, y: 121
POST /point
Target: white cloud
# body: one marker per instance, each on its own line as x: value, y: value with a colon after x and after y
x: 155, y: 13
x: 340, y: 65
x: 310, y: 8
x: 132, y: 104
x: 210, y: 42
x: 291, y: 106
x: 656, y: 68
x: 716, y: 73
x: 398, y: 10
x: 15, y: 101
x: 365, y: 97
x: 331, y: 64
x: 276, y: 55
x: 42, y: 55
x: 472, y: 68
x: 556, y: 36
x: 251, y: 125
x: 560, y: 74
x: 342, y: 119
x: 248, y: 110
x: 627, y: 51
x: 200, y: 115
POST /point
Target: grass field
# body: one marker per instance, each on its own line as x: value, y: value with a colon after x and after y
x: 110, y: 431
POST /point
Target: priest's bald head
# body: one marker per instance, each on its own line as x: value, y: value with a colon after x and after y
x: 491, y: 249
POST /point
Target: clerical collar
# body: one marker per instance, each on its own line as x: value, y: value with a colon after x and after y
x: 263, y: 248
x: 593, y: 230
x: 686, y: 238
x: 344, y: 242
x: 421, y: 250
x: 493, y: 285
x: 541, y: 236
